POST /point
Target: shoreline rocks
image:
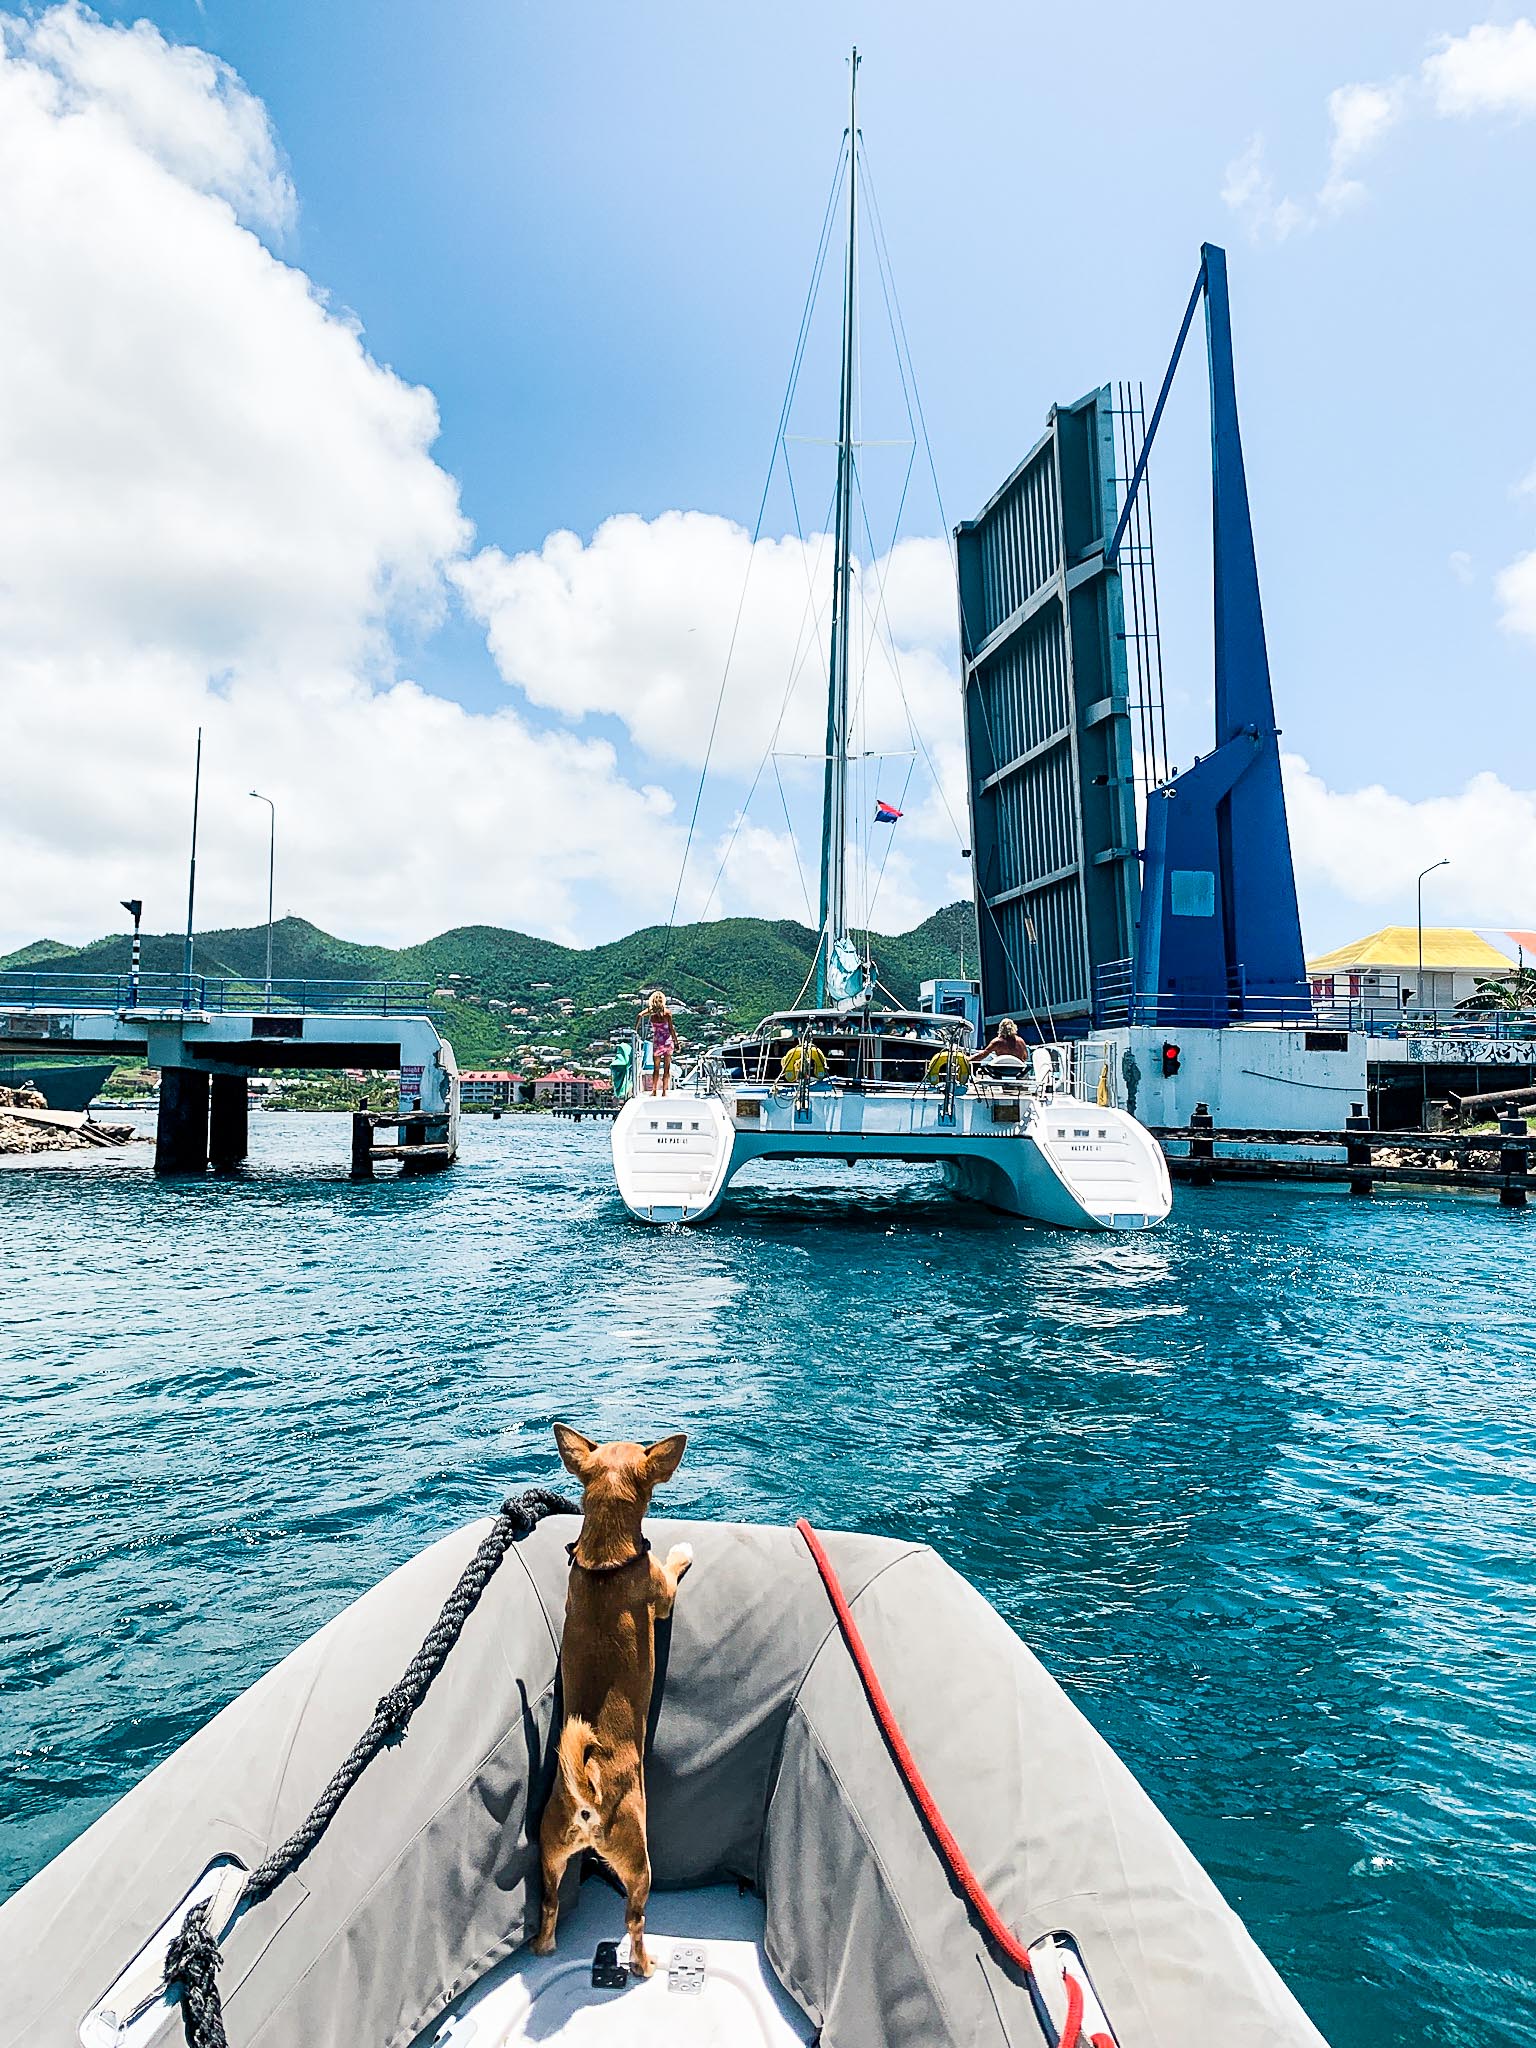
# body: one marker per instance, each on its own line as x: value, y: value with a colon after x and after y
x: 28, y: 1125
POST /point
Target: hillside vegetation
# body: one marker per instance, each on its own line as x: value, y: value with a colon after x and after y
x: 572, y: 1000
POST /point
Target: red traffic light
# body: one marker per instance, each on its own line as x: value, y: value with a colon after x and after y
x: 1171, y: 1057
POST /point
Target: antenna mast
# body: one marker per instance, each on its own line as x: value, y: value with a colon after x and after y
x: 834, y: 813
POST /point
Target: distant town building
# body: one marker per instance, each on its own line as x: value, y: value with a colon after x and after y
x: 494, y: 1087
x: 1384, y: 968
x: 566, y: 1090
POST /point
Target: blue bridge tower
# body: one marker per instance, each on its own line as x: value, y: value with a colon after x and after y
x: 1219, y: 934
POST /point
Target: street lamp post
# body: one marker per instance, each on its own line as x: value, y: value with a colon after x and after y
x: 1419, y: 989
x: 135, y: 909
x: 271, y: 866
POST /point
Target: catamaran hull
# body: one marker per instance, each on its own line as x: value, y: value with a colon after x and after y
x: 1061, y: 1162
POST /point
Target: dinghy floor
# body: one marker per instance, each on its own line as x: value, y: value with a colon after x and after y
x: 737, y: 2003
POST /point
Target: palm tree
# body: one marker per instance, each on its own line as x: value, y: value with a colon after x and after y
x: 1513, y: 991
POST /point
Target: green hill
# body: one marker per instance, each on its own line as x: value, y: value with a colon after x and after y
x: 728, y: 973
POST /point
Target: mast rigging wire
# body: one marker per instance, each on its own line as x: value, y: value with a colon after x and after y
x: 789, y: 393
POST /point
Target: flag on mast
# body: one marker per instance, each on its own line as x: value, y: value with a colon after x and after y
x: 885, y: 814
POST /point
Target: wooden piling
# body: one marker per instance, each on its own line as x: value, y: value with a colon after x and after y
x: 1513, y: 1161
x: 1202, y: 1146
x: 413, y: 1132
x: 362, y: 1144
x: 1357, y: 1150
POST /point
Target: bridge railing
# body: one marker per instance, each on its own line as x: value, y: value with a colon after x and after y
x: 43, y: 988
x: 1116, y: 1000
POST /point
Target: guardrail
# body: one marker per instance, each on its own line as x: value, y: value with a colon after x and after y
x: 1502, y: 1161
x: 43, y: 989
x: 1117, y: 1001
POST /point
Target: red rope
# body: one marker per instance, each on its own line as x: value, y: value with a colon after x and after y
x: 953, y: 1855
x: 1071, y: 2025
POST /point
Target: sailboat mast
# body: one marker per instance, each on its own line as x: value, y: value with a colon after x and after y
x: 834, y: 811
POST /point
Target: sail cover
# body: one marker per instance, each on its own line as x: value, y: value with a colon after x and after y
x: 766, y: 1769
x: 847, y: 977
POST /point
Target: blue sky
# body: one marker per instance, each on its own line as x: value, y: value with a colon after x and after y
x: 587, y: 234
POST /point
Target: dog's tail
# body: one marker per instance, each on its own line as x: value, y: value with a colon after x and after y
x: 578, y: 1763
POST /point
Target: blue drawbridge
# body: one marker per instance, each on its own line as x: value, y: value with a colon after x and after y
x: 1211, y: 934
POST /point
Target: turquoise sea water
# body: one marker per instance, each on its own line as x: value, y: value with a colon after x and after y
x: 1257, y: 1486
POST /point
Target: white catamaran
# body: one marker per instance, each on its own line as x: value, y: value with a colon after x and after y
x: 850, y: 1080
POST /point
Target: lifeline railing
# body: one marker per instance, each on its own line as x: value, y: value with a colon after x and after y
x: 43, y: 989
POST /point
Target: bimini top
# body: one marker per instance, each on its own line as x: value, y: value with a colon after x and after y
x: 766, y: 1769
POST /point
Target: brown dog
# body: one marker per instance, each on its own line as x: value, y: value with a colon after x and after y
x: 607, y: 1663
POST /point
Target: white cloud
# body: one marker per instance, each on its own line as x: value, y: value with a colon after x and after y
x: 1359, y: 116
x: 178, y: 105
x: 1248, y: 190
x: 214, y: 508
x: 1489, y: 70
x: 196, y: 453
x: 637, y: 623
x: 1515, y: 587
x: 1369, y: 844
x: 640, y: 623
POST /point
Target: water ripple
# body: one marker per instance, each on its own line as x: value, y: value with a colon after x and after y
x: 1257, y: 1487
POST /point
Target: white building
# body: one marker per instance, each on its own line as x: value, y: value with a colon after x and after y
x: 1381, y: 972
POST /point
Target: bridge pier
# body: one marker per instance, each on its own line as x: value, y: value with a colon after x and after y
x: 181, y: 1129
x: 228, y: 1119
x: 205, y: 1037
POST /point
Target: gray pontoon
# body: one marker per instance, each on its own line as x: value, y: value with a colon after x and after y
x: 801, y: 1896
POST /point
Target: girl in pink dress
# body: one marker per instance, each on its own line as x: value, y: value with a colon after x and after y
x: 664, y: 1040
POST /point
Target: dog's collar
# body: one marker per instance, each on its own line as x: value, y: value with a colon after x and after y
x: 601, y: 1571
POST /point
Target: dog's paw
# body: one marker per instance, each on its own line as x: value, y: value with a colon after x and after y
x: 640, y: 1963
x: 679, y: 1559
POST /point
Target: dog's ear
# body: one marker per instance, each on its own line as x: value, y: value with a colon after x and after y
x: 662, y: 1459
x: 575, y: 1449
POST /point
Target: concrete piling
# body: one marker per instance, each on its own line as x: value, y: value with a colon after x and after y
x: 228, y: 1119
x: 181, y: 1128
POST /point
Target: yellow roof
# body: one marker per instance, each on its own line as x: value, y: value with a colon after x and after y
x: 1397, y: 945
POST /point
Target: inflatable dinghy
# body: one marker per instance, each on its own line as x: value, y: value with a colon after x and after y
x: 874, y: 1822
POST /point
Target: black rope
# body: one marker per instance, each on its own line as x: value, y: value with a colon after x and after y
x: 192, y: 1959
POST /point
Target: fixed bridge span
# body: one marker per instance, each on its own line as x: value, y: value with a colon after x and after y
x: 205, y: 1035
